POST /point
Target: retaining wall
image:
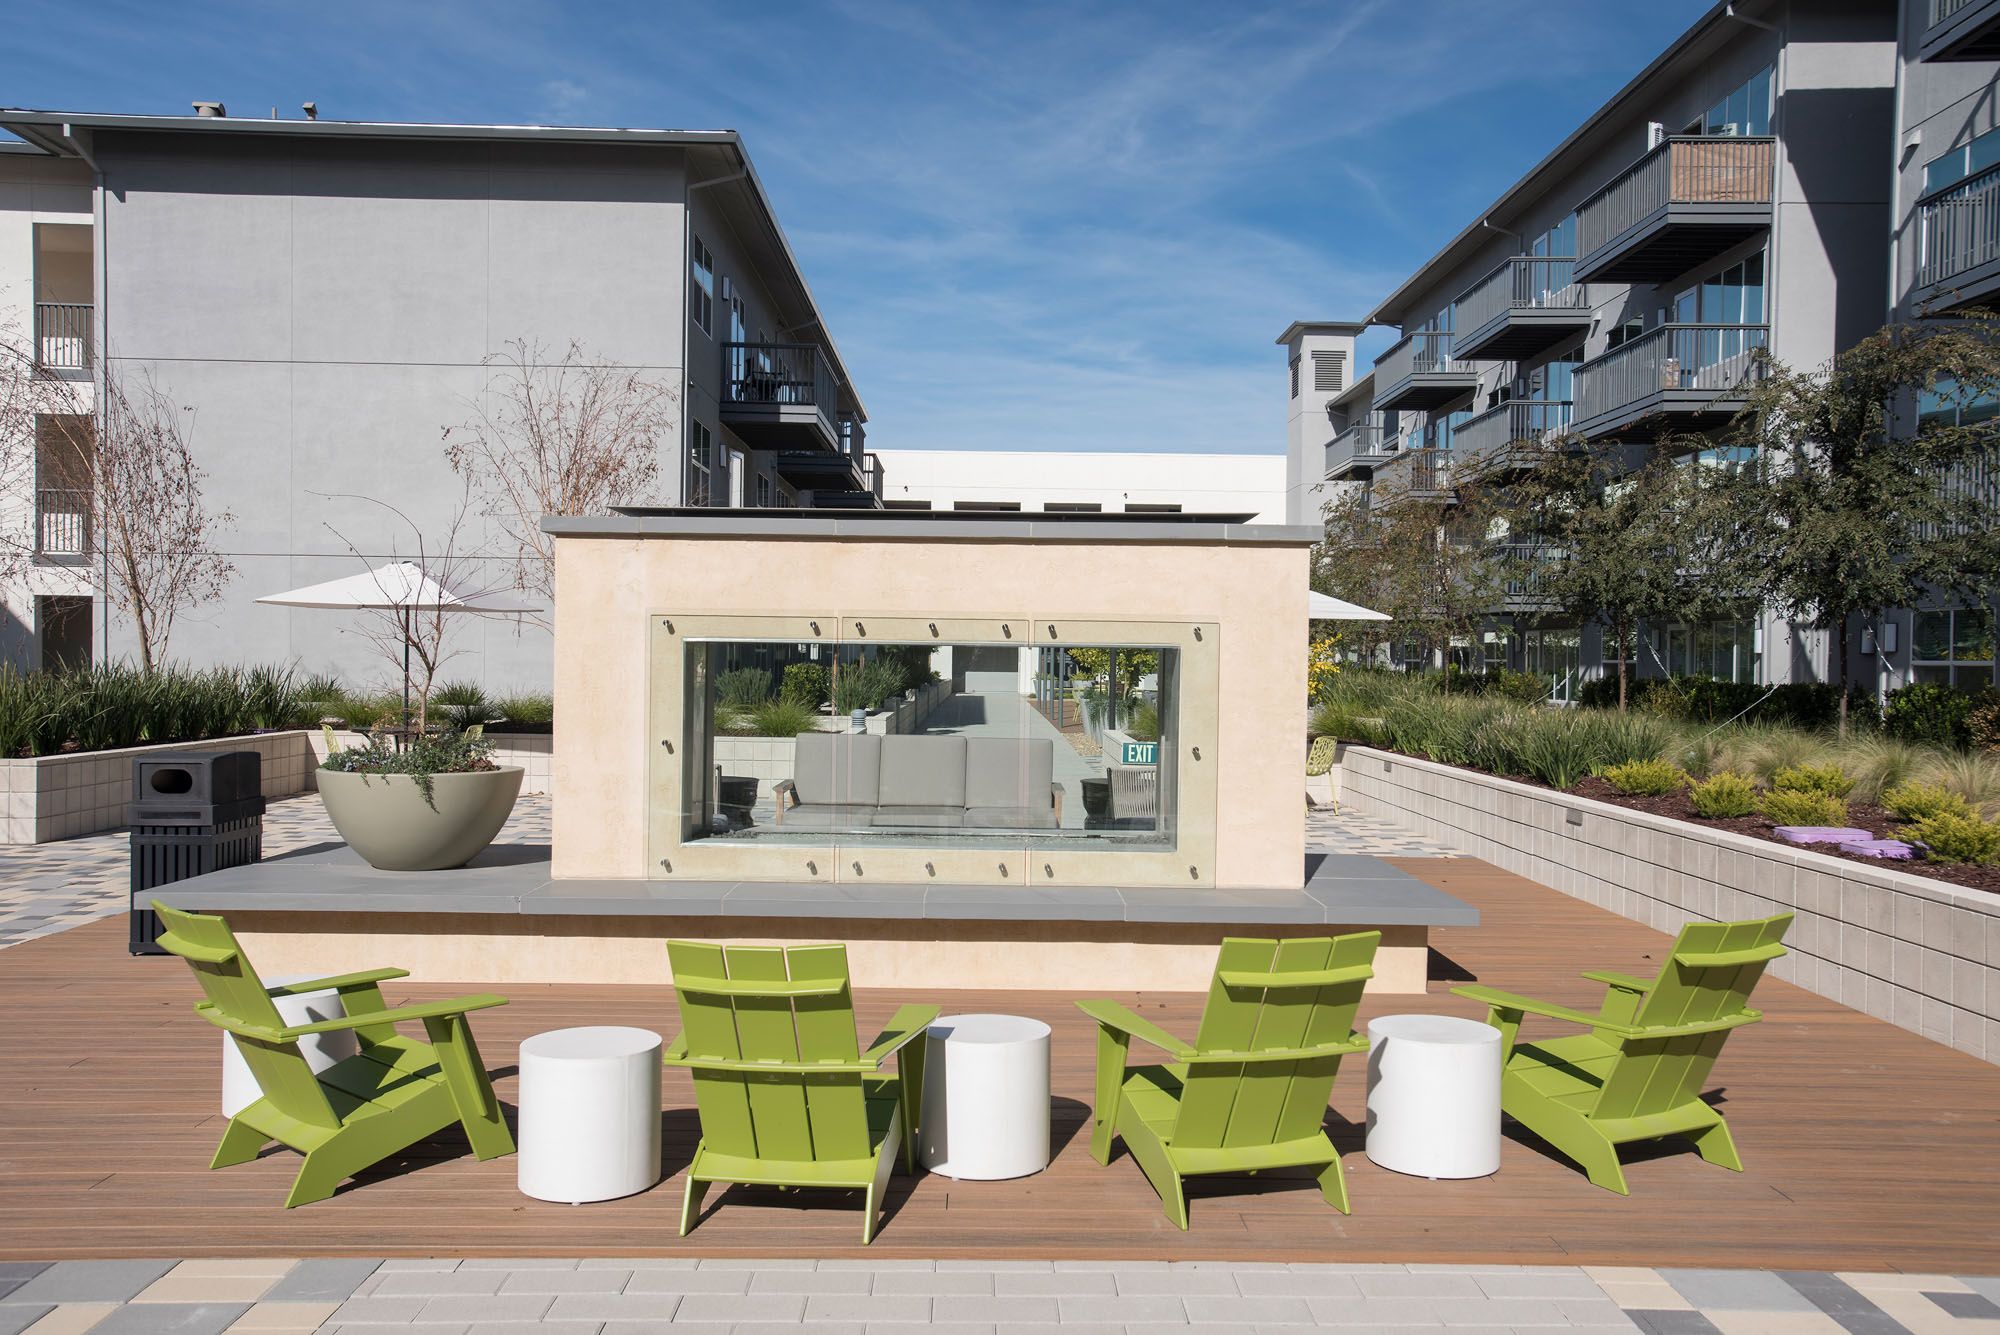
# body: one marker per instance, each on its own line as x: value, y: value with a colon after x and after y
x: 58, y: 797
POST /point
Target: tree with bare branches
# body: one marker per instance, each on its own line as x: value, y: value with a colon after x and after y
x: 567, y: 435
x: 157, y: 535
x: 39, y: 413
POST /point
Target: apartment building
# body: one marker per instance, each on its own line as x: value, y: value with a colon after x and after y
x: 1087, y: 482
x: 321, y: 299
x: 1739, y: 193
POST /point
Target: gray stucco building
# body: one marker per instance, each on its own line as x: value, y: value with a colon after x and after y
x: 323, y: 297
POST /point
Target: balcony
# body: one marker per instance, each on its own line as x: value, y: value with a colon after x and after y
x: 1413, y: 475
x: 1692, y: 374
x: 62, y: 524
x: 1488, y: 440
x: 1420, y: 373
x: 1353, y: 454
x: 780, y: 396
x: 1524, y: 307
x: 1685, y: 202
x: 1958, y: 262
x: 1961, y: 30
x: 1526, y: 565
x: 62, y: 335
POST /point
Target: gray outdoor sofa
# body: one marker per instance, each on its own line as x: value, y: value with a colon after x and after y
x: 921, y: 781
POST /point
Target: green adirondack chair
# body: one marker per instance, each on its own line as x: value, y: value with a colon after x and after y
x: 1251, y: 1091
x: 1638, y: 1073
x: 785, y: 1095
x: 391, y: 1094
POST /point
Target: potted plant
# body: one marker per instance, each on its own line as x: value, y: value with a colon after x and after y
x: 435, y: 803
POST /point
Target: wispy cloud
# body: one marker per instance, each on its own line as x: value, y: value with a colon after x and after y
x: 1031, y: 226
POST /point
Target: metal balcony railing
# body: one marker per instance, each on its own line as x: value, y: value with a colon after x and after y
x: 62, y: 335
x: 1942, y: 10
x: 1717, y: 358
x: 1690, y: 169
x: 1526, y: 565
x: 1427, y: 353
x: 62, y: 521
x: 1496, y: 429
x: 787, y: 374
x: 1960, y: 229
x: 872, y: 473
x: 1430, y: 470
x: 1363, y: 443
x: 1522, y: 283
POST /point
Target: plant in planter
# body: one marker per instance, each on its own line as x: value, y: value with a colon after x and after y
x: 435, y: 803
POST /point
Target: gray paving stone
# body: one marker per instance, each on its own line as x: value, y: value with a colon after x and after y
x: 22, y: 1270
x: 476, y: 1307
x: 435, y: 1283
x: 445, y: 1329
x: 1839, y: 1300
x: 17, y: 1317
x: 1061, y: 1328
x: 1177, y: 1283
x: 419, y: 1263
x: 885, y: 1265
x: 657, y: 1328
x: 519, y: 1263
x: 998, y: 1310
x: 1537, y: 1284
x: 636, y: 1263
x: 171, y: 1319
x: 1348, y: 1268
x: 1593, y: 1312
x: 1372, y: 1312
x: 1430, y: 1284
x: 742, y: 1307
x: 1737, y: 1291
x: 1120, y: 1266
x: 614, y: 1306
x: 1104, y: 1283
x: 1297, y: 1284
x: 1986, y: 1284
x: 1146, y: 1307
x: 1967, y: 1306
x: 995, y: 1267
x: 689, y: 1281
x: 566, y: 1281
x: 1666, y: 1322
x: 1238, y: 1311
x: 377, y: 1311
x: 534, y: 1328
x: 7, y: 1286
x: 869, y: 1308
x: 751, y: 1263
x: 90, y: 1281
x: 1498, y: 1312
x: 321, y: 1279
x: 812, y: 1281
x: 931, y: 1283
x: 945, y: 1328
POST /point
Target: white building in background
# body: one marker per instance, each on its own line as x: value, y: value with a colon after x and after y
x: 1052, y: 480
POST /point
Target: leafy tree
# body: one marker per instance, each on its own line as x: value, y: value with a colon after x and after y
x: 1868, y: 501
x: 1639, y: 534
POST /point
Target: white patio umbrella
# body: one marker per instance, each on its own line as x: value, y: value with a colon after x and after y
x: 1319, y: 607
x: 401, y: 587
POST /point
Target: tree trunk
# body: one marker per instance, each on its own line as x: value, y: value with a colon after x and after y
x: 1844, y: 685
x: 1621, y: 668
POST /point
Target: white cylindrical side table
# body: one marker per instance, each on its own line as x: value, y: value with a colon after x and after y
x: 239, y: 1087
x: 1434, y: 1095
x: 589, y: 1114
x: 986, y: 1097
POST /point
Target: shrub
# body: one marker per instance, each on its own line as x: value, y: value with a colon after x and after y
x: 1525, y: 687
x: 1983, y: 723
x: 1319, y: 759
x: 363, y: 712
x: 529, y: 710
x: 1771, y: 748
x: 1705, y: 700
x: 743, y: 688
x: 1879, y: 764
x: 1792, y: 807
x: 804, y: 684
x: 866, y: 684
x: 1951, y: 838
x: 1974, y: 776
x: 421, y: 757
x: 1929, y: 711
x: 1647, y: 778
x: 1143, y: 722
x: 1828, y: 779
x: 1724, y: 796
x: 1556, y: 748
x: 1921, y: 801
x: 461, y: 704
x: 1339, y: 720
x: 116, y: 705
x: 782, y: 718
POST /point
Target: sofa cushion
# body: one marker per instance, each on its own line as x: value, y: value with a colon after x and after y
x: 1010, y: 818
x: 922, y: 817
x: 1009, y: 771
x: 922, y: 770
x: 837, y: 768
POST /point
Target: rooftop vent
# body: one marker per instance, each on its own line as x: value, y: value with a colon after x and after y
x: 311, y: 109
x: 210, y: 109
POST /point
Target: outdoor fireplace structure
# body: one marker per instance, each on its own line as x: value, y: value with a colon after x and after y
x: 1036, y: 751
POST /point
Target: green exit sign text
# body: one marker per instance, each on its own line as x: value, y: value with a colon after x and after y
x: 1139, y: 753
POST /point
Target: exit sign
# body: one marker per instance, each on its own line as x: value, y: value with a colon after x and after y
x: 1139, y: 753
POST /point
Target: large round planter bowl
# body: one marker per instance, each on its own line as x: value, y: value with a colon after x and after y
x: 385, y: 819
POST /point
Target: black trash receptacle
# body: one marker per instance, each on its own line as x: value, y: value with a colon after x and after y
x: 192, y: 812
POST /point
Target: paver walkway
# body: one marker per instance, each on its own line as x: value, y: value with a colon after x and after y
x: 45, y: 888
x: 680, y: 1294
x: 1331, y: 830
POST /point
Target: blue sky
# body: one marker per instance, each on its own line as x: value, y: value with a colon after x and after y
x: 1030, y: 226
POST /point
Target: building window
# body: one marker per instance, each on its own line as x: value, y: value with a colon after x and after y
x: 1295, y: 377
x: 1621, y: 334
x: 1072, y: 507
x: 701, y: 457
x: 701, y: 296
x: 985, y: 505
x: 763, y: 490
x: 64, y: 486
x: 1965, y: 160
x: 1559, y: 242
x: 1724, y: 650
x: 1946, y: 405
x: 1329, y: 371
x: 1163, y: 508
x: 1747, y: 109
x: 906, y: 505
x: 1953, y: 646
x: 738, y: 329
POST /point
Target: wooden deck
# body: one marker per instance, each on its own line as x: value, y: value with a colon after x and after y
x: 1868, y: 1148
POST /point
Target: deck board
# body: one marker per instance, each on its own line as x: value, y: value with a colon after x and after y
x: 1867, y: 1147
